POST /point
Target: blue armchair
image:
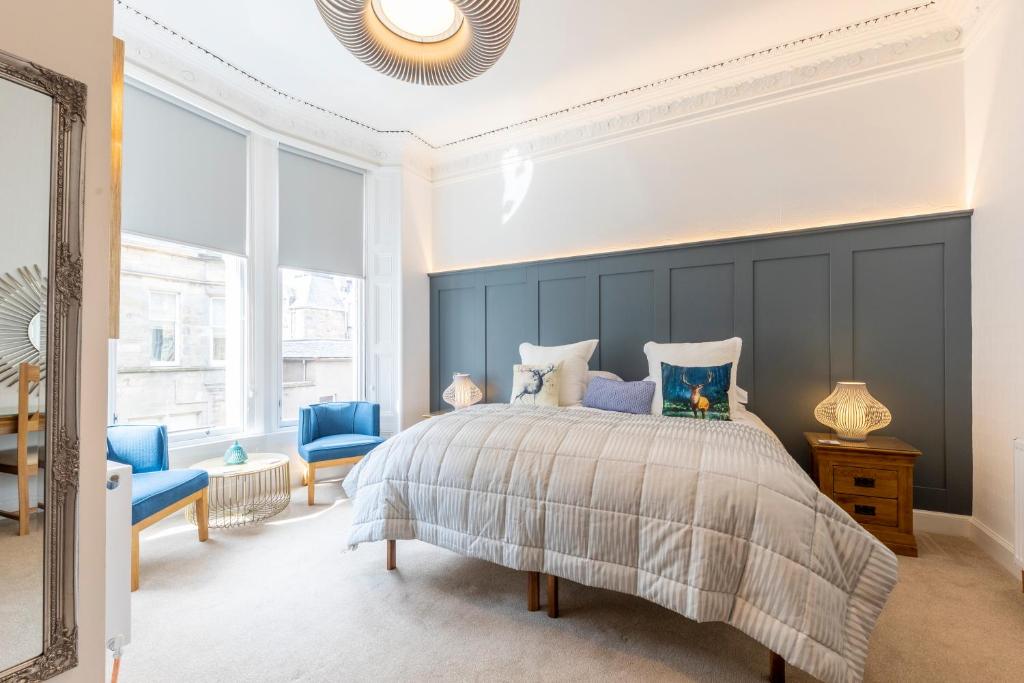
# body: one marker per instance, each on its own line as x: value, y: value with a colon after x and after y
x: 332, y: 434
x: 156, y: 490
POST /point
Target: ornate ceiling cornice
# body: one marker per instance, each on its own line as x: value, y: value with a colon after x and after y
x: 701, y: 103
x: 913, y: 38
x: 154, y: 49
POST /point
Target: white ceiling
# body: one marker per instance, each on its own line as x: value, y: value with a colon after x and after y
x: 564, y: 52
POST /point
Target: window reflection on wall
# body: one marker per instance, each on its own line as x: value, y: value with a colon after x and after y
x: 319, y: 313
x: 180, y: 359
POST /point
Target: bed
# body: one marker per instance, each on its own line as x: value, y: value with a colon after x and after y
x: 711, y: 519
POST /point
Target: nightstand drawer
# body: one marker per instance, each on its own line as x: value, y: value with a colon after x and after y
x: 865, y: 481
x: 868, y: 510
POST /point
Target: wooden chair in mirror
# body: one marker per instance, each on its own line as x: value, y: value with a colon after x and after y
x: 22, y: 461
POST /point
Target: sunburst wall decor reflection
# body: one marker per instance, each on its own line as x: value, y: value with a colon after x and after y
x: 22, y: 322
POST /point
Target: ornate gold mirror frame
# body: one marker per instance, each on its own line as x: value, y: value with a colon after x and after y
x: 63, y: 330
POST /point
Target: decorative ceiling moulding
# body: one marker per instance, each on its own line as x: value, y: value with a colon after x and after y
x: 154, y: 50
x: 875, y: 48
x: 697, y: 105
x: 471, y: 45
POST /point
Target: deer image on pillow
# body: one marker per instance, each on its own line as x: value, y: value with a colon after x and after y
x: 534, y: 385
x: 701, y: 393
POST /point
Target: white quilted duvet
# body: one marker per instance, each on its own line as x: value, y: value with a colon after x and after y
x: 713, y: 520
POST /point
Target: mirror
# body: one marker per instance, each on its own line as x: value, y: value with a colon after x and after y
x: 41, y: 126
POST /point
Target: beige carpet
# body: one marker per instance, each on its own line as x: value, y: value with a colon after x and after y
x: 21, y: 591
x: 287, y: 602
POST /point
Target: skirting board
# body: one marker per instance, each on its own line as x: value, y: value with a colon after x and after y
x: 997, y: 547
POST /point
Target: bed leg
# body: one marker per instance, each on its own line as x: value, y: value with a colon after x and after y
x: 776, y: 668
x: 533, y: 591
x: 391, y: 555
x: 552, y: 596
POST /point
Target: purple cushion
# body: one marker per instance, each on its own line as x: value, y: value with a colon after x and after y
x: 622, y: 397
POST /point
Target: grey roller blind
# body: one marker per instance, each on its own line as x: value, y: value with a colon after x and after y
x: 184, y: 175
x: 321, y: 215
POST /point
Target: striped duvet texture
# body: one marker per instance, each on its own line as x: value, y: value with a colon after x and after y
x: 713, y: 520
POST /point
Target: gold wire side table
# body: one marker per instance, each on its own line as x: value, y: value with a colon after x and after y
x: 245, y: 494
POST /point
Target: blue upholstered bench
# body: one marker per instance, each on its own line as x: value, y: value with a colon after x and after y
x: 156, y: 490
x: 332, y: 434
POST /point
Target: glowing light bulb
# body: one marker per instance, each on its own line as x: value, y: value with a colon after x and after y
x: 425, y: 21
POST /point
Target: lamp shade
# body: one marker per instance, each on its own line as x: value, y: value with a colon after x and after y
x: 852, y: 412
x: 462, y: 393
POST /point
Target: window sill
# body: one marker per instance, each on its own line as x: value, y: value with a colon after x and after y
x: 226, y: 440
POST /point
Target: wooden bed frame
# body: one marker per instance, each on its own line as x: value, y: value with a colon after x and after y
x: 776, y: 664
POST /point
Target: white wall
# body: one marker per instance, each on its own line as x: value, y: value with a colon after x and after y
x: 876, y: 150
x: 416, y: 243
x: 994, y: 74
x: 74, y: 38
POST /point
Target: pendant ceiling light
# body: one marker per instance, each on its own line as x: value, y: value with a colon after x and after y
x: 430, y: 42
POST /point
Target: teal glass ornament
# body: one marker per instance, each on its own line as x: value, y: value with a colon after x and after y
x: 235, y: 455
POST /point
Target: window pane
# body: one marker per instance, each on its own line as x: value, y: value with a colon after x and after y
x: 163, y: 344
x: 163, y: 306
x: 217, y: 311
x: 181, y: 352
x: 319, y: 312
x: 219, y: 353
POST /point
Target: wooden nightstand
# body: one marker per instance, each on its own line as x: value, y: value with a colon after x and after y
x: 872, y: 480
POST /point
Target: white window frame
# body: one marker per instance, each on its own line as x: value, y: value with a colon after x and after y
x: 177, y: 328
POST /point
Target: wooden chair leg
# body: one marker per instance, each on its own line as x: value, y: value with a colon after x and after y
x: 23, y: 509
x: 305, y: 475
x: 135, y: 559
x: 776, y: 668
x: 532, y: 591
x: 392, y: 564
x: 552, y: 596
x: 203, y: 514
x: 310, y: 483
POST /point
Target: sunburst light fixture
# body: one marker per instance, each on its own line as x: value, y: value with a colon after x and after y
x: 429, y: 42
x: 22, y: 322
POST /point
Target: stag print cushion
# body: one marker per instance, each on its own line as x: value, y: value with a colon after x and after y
x: 535, y: 385
x: 701, y: 393
x: 702, y: 354
x: 572, y: 360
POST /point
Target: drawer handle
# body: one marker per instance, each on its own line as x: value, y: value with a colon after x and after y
x: 864, y: 482
x: 867, y: 510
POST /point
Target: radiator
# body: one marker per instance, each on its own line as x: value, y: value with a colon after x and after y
x: 1018, y: 498
x: 119, y: 556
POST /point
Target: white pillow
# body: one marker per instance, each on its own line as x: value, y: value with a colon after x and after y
x: 572, y: 374
x: 591, y: 374
x: 699, y: 355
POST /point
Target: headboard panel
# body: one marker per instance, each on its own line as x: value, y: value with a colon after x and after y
x: 887, y: 302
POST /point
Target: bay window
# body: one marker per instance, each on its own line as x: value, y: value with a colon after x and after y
x: 198, y: 291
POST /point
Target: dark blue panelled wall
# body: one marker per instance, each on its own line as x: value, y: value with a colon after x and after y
x: 886, y: 302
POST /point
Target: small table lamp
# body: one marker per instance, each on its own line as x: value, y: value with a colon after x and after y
x: 462, y: 393
x: 852, y: 412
